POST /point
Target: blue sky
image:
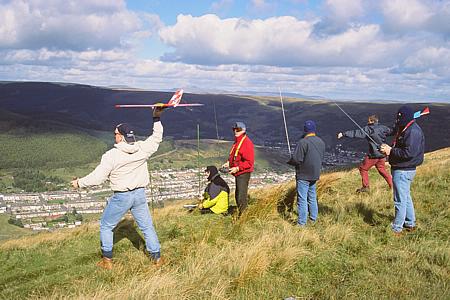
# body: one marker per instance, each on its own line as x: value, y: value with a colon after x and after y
x: 339, y: 49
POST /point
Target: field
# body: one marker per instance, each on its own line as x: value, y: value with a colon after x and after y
x: 349, y: 253
x: 8, y: 230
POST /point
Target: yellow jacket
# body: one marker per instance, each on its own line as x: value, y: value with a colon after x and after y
x: 218, y: 205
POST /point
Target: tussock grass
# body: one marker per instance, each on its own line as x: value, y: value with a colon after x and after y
x: 349, y: 253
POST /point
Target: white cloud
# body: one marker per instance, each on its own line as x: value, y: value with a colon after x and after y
x: 429, y: 59
x: 282, y: 41
x: 410, y: 16
x: 333, y: 82
x: 97, y: 42
x: 345, y: 10
x: 403, y: 15
x: 75, y: 25
x: 53, y: 57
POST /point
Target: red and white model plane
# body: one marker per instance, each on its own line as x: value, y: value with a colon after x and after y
x: 173, y: 102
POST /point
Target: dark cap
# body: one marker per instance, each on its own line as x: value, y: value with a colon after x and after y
x: 212, y: 171
x: 309, y: 126
x: 405, y: 115
x: 128, y: 133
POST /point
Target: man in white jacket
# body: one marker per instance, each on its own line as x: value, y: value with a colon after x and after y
x: 125, y: 166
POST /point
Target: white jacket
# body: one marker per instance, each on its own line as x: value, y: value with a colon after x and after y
x: 125, y: 165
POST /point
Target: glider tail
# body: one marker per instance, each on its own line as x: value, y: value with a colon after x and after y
x: 176, y: 98
x: 419, y: 113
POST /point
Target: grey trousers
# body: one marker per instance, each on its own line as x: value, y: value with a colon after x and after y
x: 241, y: 191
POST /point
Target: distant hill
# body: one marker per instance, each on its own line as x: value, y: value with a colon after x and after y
x: 92, y: 108
x: 349, y: 253
x: 59, y: 130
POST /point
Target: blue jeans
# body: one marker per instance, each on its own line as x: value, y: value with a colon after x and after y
x: 306, y: 201
x: 117, y: 206
x: 404, y: 207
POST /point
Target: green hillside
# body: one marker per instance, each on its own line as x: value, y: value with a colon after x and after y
x: 8, y: 230
x: 45, y: 161
x: 183, y: 154
x: 349, y: 253
x: 49, y: 150
x: 29, y: 161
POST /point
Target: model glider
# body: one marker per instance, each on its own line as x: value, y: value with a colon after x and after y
x: 173, y: 102
x: 419, y: 113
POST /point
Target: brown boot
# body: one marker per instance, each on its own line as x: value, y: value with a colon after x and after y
x: 398, y: 234
x: 105, y: 263
x: 159, y: 262
x: 410, y: 229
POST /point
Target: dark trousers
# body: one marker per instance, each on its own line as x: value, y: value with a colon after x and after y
x: 241, y: 191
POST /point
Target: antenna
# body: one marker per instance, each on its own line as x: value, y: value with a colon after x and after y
x: 198, y: 157
x: 378, y: 145
x: 215, y: 118
x: 285, y: 125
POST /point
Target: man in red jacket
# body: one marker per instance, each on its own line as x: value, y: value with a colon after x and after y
x: 240, y: 164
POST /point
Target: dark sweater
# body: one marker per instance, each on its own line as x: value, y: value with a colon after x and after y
x: 216, y: 185
x: 377, y: 132
x: 308, y: 157
x: 409, y: 149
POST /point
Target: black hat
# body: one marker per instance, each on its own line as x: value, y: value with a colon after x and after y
x: 405, y: 115
x: 128, y: 133
x: 212, y: 171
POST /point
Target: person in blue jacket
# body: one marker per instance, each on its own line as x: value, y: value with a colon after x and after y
x: 405, y: 155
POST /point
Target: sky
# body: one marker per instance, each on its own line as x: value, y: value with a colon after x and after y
x: 338, y: 49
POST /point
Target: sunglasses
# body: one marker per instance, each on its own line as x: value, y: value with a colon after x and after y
x: 237, y: 129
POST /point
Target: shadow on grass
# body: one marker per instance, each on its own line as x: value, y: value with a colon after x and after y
x: 127, y: 229
x: 370, y: 216
x: 285, y: 204
x: 325, y: 209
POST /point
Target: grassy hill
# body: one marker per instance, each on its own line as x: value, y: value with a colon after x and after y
x: 349, y: 253
x: 8, y: 230
x: 42, y: 155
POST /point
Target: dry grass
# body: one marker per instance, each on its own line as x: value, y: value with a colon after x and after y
x: 349, y: 253
x: 48, y: 238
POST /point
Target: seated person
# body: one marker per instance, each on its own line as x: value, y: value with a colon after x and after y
x: 215, y: 197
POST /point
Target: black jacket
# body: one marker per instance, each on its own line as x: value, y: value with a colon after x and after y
x: 409, y: 149
x: 216, y: 185
x: 377, y: 132
x: 308, y: 157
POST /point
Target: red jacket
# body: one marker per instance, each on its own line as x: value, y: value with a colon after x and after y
x: 245, y: 158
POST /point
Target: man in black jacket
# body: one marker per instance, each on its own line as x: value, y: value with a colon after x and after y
x: 405, y: 155
x: 307, y: 159
x: 374, y: 157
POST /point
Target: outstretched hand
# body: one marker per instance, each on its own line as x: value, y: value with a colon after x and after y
x: 157, y: 111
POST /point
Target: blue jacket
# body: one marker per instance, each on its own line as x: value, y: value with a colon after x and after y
x: 409, y: 149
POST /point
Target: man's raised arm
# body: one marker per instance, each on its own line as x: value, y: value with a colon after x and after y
x: 151, y: 144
